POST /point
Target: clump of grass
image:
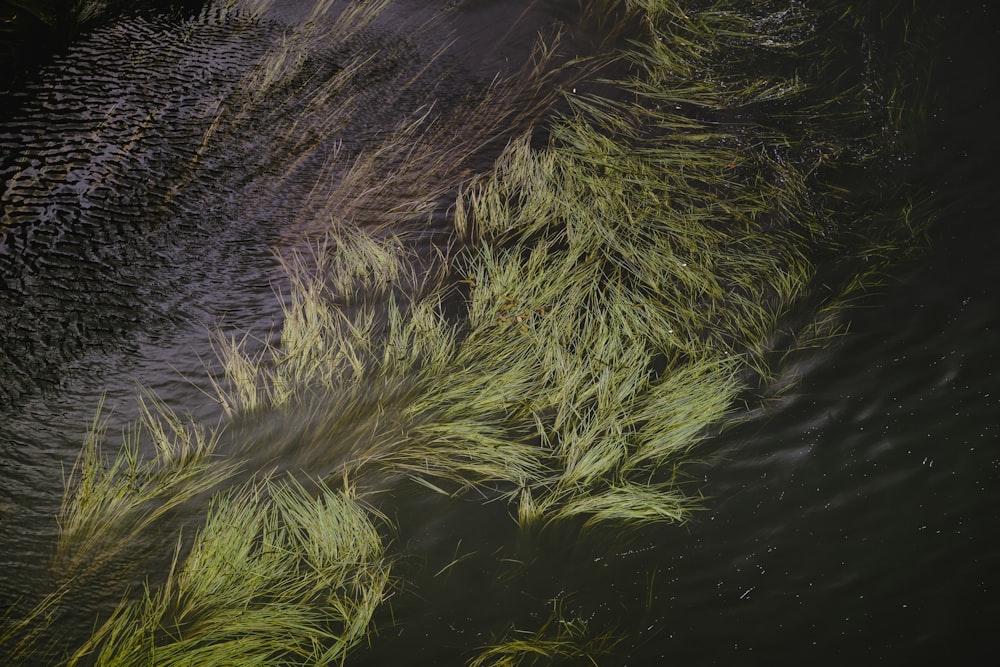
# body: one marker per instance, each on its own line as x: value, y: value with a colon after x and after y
x: 277, y: 575
x: 558, y: 639
x: 110, y: 501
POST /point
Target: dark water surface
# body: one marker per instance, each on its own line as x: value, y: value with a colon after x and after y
x: 857, y: 523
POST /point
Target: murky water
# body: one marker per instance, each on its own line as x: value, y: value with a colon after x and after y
x: 856, y: 523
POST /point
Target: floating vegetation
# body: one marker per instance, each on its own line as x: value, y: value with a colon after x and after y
x: 557, y: 640
x: 628, y: 278
x: 276, y: 574
x: 110, y: 502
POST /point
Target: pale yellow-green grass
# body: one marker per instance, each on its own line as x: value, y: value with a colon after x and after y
x: 277, y: 575
x: 112, y: 499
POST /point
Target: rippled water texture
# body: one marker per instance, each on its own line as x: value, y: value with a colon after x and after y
x: 855, y: 524
x: 142, y: 183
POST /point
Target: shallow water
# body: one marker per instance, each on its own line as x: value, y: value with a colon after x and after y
x: 856, y: 522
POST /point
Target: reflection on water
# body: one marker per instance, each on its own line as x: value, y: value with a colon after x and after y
x: 856, y: 523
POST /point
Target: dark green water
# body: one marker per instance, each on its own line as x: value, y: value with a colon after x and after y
x: 855, y: 524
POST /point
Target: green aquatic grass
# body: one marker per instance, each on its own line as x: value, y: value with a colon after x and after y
x: 399, y: 181
x: 277, y: 575
x: 624, y: 286
x: 613, y: 295
x: 559, y: 639
x: 113, y: 500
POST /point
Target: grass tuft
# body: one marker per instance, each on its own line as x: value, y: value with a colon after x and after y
x: 559, y: 639
x: 275, y: 575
